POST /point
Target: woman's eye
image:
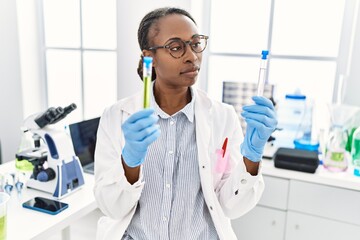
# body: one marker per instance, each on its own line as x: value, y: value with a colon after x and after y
x: 196, y: 45
x: 175, y: 48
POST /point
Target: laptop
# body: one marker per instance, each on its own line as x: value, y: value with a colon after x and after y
x: 83, y: 136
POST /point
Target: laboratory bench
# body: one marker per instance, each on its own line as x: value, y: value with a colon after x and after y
x: 298, y: 205
x: 295, y: 205
x: 29, y: 224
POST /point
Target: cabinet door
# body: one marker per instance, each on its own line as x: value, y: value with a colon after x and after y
x: 260, y: 223
x: 335, y: 203
x: 300, y: 226
x: 276, y: 193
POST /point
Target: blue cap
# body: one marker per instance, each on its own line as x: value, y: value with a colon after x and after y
x: 295, y: 96
x: 147, y: 61
x: 264, y: 54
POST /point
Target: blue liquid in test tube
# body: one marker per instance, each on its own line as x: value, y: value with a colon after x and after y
x: 262, y: 73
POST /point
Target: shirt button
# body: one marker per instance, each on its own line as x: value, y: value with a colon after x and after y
x: 211, y: 208
x: 168, y: 185
x: 171, y: 152
x: 172, y: 122
x: 164, y: 219
x: 243, y: 181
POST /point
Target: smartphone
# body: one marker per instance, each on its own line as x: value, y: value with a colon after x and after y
x: 45, y: 205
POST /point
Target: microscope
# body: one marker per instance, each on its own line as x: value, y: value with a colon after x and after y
x: 57, y: 170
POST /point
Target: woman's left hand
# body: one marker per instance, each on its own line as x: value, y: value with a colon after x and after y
x: 261, y: 122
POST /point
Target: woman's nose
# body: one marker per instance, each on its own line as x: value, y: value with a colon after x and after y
x: 190, y: 55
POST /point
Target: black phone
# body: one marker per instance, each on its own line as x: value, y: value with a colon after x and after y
x: 45, y: 205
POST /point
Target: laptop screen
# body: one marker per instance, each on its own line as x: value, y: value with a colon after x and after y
x: 83, y: 135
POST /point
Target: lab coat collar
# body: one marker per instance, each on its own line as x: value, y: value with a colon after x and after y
x: 188, y: 110
x: 201, y: 106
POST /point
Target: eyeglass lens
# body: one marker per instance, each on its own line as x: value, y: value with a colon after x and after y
x: 177, y: 47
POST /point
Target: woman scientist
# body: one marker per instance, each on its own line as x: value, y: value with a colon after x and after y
x: 165, y: 172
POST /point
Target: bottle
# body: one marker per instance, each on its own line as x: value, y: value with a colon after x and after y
x: 290, y: 112
x: 304, y: 138
x: 336, y: 156
x: 355, y: 146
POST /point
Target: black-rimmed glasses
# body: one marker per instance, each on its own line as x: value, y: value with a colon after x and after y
x: 177, y: 47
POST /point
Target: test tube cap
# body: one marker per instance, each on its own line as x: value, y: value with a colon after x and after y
x: 264, y: 54
x: 148, y: 61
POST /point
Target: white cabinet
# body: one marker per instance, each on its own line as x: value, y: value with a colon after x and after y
x: 325, y: 201
x: 296, y: 210
x: 267, y: 219
x: 260, y: 223
x: 302, y: 226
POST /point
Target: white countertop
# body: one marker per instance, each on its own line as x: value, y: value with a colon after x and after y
x: 29, y: 224
x: 321, y: 176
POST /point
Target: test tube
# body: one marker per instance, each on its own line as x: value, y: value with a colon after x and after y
x: 147, y: 71
x: 262, y: 73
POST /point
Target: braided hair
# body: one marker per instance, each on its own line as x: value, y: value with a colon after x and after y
x: 145, y: 27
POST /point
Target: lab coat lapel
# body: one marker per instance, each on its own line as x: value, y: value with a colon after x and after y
x: 203, y: 119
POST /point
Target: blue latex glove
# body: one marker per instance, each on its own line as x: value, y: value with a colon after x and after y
x: 261, y: 122
x: 140, y: 130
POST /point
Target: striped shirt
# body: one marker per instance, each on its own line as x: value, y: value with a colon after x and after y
x: 172, y: 204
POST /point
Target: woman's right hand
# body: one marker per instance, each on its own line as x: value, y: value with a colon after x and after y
x: 140, y: 130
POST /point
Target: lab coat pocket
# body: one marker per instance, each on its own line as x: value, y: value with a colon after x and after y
x: 220, y: 167
x: 222, y: 162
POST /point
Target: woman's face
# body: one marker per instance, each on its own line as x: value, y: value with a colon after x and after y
x: 175, y: 72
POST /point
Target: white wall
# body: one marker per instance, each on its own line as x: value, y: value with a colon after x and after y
x: 352, y: 85
x: 32, y: 69
x: 10, y: 81
x: 129, y: 16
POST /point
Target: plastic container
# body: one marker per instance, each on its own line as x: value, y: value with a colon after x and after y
x: 336, y: 156
x: 356, y: 164
x: 355, y: 146
x: 294, y: 121
x: 4, y: 198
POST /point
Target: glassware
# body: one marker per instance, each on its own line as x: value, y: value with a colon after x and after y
x: 355, y: 147
x: 336, y: 156
x: 4, y: 198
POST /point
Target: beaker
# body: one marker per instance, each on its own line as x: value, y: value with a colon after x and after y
x: 4, y: 198
x: 336, y: 156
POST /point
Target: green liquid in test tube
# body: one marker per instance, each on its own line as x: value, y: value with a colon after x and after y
x: 147, y: 71
x: 262, y: 73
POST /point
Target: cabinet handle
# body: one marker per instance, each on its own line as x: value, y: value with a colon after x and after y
x: 297, y: 227
x: 273, y: 223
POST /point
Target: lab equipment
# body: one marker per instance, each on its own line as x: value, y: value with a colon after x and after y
x: 19, y: 180
x: 296, y: 159
x: 147, y: 72
x: 356, y: 164
x: 295, y: 120
x: 27, y: 142
x: 57, y: 170
x: 8, y: 183
x: 140, y: 130
x: 258, y: 129
x: 336, y: 156
x: 355, y: 146
x: 262, y: 73
x: 4, y: 198
x: 45, y: 205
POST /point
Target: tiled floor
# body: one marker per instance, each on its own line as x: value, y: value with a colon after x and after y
x: 84, y: 229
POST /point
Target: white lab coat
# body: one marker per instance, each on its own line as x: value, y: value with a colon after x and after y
x: 228, y: 195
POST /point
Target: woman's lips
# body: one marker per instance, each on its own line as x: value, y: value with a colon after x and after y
x: 191, y: 72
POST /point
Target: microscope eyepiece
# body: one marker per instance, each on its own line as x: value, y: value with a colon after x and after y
x: 53, y: 115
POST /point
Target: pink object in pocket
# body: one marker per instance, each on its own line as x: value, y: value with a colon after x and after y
x: 221, y: 164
